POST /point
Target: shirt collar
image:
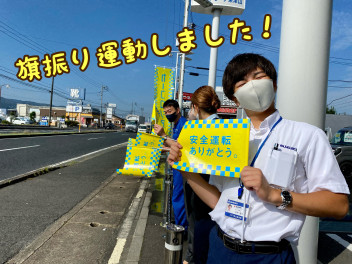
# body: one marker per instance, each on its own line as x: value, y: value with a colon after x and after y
x: 213, y: 116
x: 269, y: 121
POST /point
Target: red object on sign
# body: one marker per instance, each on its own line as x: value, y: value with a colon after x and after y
x: 187, y: 96
x: 227, y: 110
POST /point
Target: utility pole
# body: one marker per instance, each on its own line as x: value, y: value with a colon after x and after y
x: 304, y: 68
x: 183, y: 56
x: 51, y: 100
x: 103, y: 87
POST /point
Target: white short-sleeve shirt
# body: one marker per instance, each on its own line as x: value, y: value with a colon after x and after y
x: 316, y: 169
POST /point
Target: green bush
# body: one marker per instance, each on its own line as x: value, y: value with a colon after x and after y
x: 71, y: 123
x: 5, y: 122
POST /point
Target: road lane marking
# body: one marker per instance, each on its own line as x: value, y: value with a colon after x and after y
x: 34, y: 146
x: 341, y: 241
x: 85, y: 155
x: 94, y: 138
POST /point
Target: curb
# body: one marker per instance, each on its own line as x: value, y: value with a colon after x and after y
x: 126, y: 227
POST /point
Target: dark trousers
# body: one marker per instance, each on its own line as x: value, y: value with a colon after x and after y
x: 218, y: 253
x: 202, y: 230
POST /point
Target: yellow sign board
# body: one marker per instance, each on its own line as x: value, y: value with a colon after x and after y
x: 217, y: 147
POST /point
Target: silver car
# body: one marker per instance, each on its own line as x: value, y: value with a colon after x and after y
x: 341, y: 144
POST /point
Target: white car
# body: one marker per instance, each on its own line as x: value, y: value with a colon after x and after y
x: 20, y: 121
x: 142, y: 128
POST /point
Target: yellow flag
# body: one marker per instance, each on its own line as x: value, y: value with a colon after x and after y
x: 140, y: 161
x: 163, y: 90
x: 217, y: 147
x: 149, y: 141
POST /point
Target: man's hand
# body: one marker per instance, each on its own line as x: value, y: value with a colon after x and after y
x: 175, y: 153
x: 159, y: 130
x: 254, y: 180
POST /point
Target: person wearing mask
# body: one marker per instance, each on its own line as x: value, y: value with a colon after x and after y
x: 204, y: 105
x: 271, y: 203
x: 172, y: 112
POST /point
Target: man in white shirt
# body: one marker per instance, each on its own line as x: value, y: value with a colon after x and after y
x: 292, y: 173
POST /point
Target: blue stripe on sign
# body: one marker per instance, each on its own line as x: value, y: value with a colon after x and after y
x: 200, y: 166
x: 212, y: 172
x: 216, y: 125
x: 218, y: 167
x: 191, y: 165
x: 187, y: 169
x: 237, y: 169
x: 192, y: 126
x: 244, y: 125
x: 209, y: 167
x: 227, y: 168
x: 226, y: 125
x: 240, y: 121
x: 234, y: 125
x: 196, y: 121
x: 222, y: 173
x: 184, y: 164
x: 232, y: 174
x: 204, y: 171
x: 208, y: 126
x: 222, y: 121
x: 195, y: 170
x: 200, y: 126
x: 231, y: 121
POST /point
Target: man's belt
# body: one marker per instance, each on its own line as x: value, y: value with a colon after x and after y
x: 250, y: 247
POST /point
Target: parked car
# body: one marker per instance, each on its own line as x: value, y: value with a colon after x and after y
x: 341, y: 144
x: 142, y: 128
x: 20, y: 121
x: 109, y: 126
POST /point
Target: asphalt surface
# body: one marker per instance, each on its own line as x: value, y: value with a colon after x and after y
x: 20, y: 155
x: 27, y: 208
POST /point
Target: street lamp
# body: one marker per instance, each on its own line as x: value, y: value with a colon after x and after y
x: 176, y: 72
x: 7, y: 86
x: 204, y: 3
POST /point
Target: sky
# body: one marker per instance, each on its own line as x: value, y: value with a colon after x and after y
x: 35, y: 28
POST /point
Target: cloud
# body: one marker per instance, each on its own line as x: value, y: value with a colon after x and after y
x: 341, y: 34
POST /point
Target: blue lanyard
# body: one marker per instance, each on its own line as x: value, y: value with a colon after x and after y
x: 240, y: 190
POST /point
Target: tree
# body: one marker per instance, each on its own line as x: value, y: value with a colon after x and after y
x: 32, y: 116
x: 330, y: 110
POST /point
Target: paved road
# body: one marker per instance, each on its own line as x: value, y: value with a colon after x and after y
x: 20, y: 155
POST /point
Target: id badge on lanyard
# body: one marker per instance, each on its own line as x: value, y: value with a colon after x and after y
x: 235, y: 209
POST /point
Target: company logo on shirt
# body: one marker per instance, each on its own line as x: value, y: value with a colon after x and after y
x: 288, y: 147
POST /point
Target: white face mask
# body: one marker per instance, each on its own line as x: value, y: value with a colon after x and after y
x: 192, y: 116
x: 256, y: 95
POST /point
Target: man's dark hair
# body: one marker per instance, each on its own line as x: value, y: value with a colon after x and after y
x: 240, y: 66
x: 171, y: 102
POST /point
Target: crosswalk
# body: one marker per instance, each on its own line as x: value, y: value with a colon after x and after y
x: 341, y: 241
x: 335, y: 247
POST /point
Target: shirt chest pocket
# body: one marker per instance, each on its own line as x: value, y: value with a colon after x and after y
x: 280, y: 167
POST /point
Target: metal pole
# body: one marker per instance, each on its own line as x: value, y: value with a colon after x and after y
x: 101, y: 104
x: 173, y: 244
x: 51, y: 99
x: 176, y: 75
x: 303, y: 75
x: 214, y: 51
x: 183, y: 56
x: 79, y: 126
